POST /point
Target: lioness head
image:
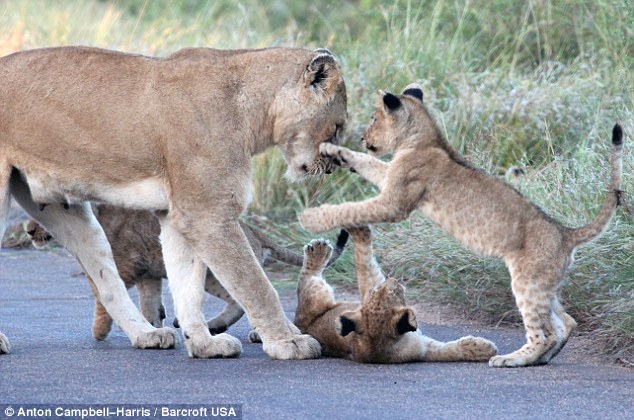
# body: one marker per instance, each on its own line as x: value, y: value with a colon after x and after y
x: 381, y: 320
x: 392, y: 121
x: 310, y: 111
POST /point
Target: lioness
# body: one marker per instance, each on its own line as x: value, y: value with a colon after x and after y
x: 481, y: 211
x: 134, y: 238
x: 172, y: 135
x: 380, y: 329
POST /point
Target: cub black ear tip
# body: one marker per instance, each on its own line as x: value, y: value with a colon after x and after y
x: 392, y: 102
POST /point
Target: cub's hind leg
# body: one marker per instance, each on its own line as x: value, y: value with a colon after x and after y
x: 101, y: 321
x: 534, y: 286
x: 79, y: 231
x: 564, y: 325
x: 470, y: 349
x: 150, y: 290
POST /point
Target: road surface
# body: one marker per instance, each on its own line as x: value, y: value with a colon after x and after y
x: 46, y: 311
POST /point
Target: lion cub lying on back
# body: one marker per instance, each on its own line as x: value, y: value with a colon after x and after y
x: 134, y: 237
x: 484, y: 213
x: 380, y: 329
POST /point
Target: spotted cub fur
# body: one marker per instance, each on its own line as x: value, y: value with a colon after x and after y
x: 379, y: 329
x: 134, y: 237
x: 481, y: 211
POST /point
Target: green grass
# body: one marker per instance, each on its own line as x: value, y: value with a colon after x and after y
x: 536, y: 83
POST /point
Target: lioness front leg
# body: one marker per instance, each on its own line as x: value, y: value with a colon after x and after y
x: 77, y: 229
x: 233, y: 263
x: 186, y: 274
x: 379, y: 209
x: 369, y: 167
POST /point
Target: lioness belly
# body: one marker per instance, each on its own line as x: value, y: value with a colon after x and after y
x: 149, y: 194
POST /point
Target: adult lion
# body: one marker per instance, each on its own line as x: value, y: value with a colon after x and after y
x: 173, y: 135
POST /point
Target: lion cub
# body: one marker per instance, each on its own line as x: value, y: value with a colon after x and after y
x: 482, y: 212
x: 380, y: 329
x: 134, y: 237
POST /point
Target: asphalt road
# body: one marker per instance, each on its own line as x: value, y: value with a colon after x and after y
x: 46, y: 311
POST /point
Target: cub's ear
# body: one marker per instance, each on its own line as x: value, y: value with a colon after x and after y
x: 405, y: 320
x: 349, y: 321
x: 389, y: 101
x: 322, y: 74
x: 414, y: 90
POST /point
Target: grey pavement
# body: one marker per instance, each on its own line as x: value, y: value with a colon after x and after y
x: 46, y: 311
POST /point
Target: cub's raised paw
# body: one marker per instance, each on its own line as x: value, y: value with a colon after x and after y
x: 160, y: 338
x: 477, y: 349
x: 313, y: 220
x: 317, y: 253
x: 5, y: 347
x: 337, y: 154
x: 299, y: 347
x: 204, y: 346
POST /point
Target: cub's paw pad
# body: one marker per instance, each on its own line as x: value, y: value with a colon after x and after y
x: 336, y: 154
x: 318, y: 252
x: 208, y: 347
x: 299, y: 347
x: 5, y: 347
x: 160, y: 338
x: 477, y: 348
x: 254, y: 337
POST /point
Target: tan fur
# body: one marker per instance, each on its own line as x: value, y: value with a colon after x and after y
x: 481, y: 211
x: 380, y: 329
x: 134, y: 237
x: 173, y: 135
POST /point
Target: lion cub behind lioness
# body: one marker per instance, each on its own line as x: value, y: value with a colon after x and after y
x: 134, y: 237
x: 380, y: 329
x: 479, y: 210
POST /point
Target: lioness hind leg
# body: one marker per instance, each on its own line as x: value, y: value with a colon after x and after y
x: 79, y: 231
x: 232, y: 311
x: 186, y: 274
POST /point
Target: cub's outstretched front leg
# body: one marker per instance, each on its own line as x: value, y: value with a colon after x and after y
x: 368, y: 167
x: 383, y: 208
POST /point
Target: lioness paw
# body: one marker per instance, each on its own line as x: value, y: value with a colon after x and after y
x: 160, y: 338
x: 317, y: 253
x: 299, y: 347
x: 207, y: 347
x: 5, y: 347
x: 313, y: 220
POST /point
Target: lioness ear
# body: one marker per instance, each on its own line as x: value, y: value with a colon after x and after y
x: 391, y: 102
x: 322, y: 74
x: 349, y: 321
x: 406, y: 320
x: 414, y: 90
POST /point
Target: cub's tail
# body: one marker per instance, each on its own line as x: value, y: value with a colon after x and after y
x: 585, y: 234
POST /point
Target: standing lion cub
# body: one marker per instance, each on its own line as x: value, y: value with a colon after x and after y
x: 482, y: 212
x: 379, y: 329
